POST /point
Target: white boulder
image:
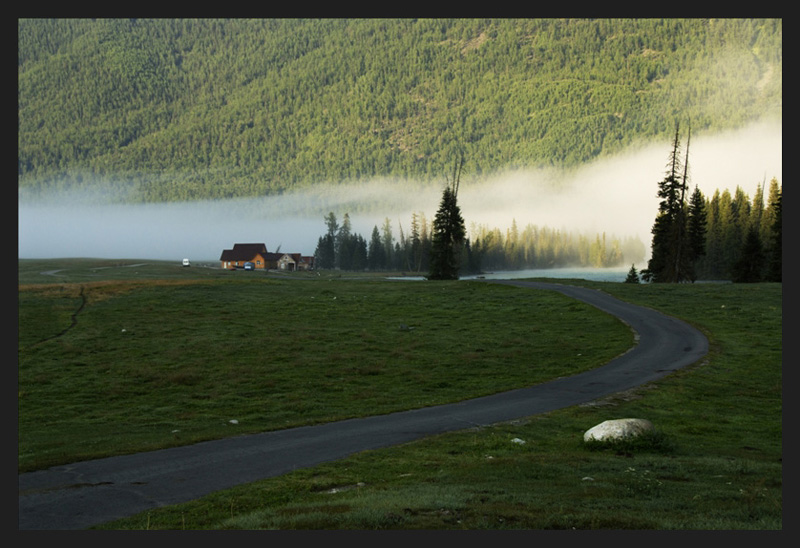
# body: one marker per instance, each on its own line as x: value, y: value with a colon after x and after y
x: 618, y: 429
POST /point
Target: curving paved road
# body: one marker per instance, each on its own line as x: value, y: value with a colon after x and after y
x: 83, y: 494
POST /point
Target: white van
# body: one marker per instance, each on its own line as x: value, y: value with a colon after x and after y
x: 186, y: 262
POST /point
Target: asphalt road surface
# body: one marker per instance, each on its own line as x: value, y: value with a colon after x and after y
x: 80, y: 495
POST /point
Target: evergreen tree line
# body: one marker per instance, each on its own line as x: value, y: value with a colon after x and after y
x: 535, y: 247
x: 743, y: 237
x: 341, y: 248
x: 484, y: 250
x: 182, y: 109
x: 726, y: 237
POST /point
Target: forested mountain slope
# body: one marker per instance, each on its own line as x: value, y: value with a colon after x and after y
x: 193, y: 109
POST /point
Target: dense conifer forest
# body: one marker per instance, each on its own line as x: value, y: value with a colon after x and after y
x: 184, y: 109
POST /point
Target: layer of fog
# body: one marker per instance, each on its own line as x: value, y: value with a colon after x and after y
x: 615, y: 196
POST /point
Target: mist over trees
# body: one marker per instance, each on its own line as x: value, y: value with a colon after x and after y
x: 725, y: 237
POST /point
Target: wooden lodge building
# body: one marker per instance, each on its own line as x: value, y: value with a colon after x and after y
x: 261, y: 259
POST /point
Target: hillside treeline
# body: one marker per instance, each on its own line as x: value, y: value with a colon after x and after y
x: 182, y: 109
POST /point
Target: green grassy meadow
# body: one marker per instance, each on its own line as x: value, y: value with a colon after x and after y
x: 124, y: 356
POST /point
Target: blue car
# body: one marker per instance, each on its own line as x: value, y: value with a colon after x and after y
x: 249, y: 266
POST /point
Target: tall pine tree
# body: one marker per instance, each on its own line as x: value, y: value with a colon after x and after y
x: 670, y: 259
x: 449, y: 234
x: 345, y: 245
x: 697, y: 228
x: 325, y: 254
x: 775, y: 268
x: 749, y: 268
x: 376, y: 253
